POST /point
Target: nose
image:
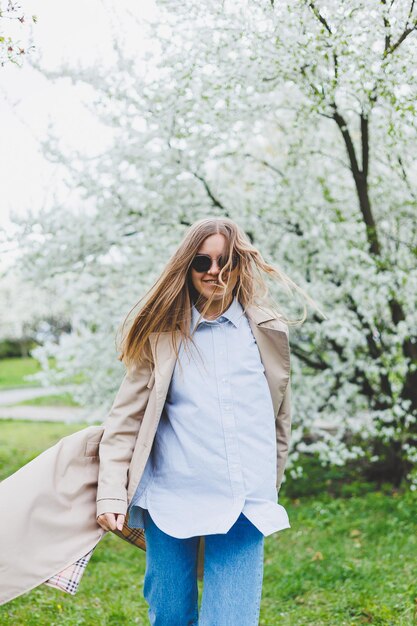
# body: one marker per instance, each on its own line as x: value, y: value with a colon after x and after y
x: 214, y: 268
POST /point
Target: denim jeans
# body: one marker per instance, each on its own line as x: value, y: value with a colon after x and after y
x: 232, y: 583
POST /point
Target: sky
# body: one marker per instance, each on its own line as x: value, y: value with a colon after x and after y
x: 75, y: 32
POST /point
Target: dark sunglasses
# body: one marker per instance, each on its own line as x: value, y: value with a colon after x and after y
x: 202, y: 262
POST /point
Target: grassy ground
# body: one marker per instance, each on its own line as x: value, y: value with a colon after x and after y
x: 64, y: 399
x: 345, y: 561
x: 12, y: 375
x: 12, y: 372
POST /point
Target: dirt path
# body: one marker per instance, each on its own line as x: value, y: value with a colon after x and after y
x: 13, y: 396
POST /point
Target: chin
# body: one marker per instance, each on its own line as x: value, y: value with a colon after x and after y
x: 218, y: 296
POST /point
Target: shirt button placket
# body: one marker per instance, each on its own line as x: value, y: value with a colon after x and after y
x: 228, y: 418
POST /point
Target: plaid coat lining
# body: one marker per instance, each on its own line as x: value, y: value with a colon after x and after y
x: 68, y: 579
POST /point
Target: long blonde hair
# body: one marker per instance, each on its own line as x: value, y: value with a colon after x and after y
x: 166, y: 307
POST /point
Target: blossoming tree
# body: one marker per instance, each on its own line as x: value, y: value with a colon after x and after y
x: 298, y: 120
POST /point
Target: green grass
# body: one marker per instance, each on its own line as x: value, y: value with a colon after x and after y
x: 345, y: 561
x: 21, y: 441
x: 12, y: 372
x: 64, y: 399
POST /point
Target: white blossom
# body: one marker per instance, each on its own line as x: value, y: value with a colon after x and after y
x: 297, y: 120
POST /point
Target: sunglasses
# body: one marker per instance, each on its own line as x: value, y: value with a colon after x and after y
x: 202, y: 262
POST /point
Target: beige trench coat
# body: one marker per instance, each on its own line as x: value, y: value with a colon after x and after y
x: 49, y: 506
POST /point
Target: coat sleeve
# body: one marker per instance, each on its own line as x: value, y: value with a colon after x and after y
x: 121, y: 428
x: 283, y: 432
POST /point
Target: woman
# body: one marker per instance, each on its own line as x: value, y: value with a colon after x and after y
x: 213, y: 462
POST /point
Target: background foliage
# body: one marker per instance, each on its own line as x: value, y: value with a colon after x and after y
x: 298, y: 120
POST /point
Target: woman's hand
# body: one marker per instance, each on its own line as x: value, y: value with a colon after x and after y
x: 111, y: 521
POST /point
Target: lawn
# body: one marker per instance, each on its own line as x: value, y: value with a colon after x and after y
x: 345, y: 561
x: 63, y: 399
x: 13, y: 371
x: 12, y: 375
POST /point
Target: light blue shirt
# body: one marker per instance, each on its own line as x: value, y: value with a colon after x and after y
x: 214, y: 454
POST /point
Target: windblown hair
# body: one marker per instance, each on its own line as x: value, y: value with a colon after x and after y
x: 166, y: 307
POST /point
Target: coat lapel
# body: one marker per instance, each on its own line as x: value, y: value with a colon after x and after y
x: 272, y: 339
x: 164, y: 358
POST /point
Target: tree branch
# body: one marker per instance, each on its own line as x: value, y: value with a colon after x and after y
x: 360, y: 176
x: 312, y: 5
x: 406, y: 179
x: 306, y: 358
x: 210, y: 194
x: 408, y: 29
x: 365, y: 144
x: 265, y: 163
x: 319, y: 16
x: 387, y: 27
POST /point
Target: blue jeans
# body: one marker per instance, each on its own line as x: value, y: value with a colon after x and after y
x: 232, y: 583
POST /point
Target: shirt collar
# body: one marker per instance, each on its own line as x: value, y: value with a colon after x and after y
x: 233, y: 314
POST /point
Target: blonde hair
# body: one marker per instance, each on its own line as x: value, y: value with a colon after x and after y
x: 167, y: 305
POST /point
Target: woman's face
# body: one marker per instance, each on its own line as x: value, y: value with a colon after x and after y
x: 206, y: 283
